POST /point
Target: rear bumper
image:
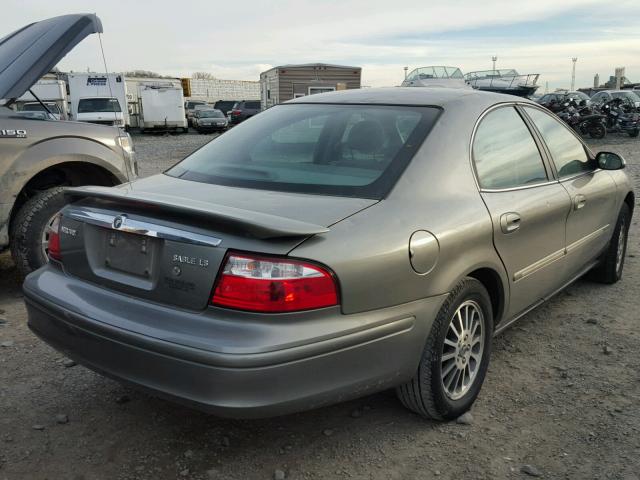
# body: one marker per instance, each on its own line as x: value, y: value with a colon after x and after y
x: 324, y: 368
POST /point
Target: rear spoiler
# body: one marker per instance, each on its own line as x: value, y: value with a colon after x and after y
x: 260, y: 225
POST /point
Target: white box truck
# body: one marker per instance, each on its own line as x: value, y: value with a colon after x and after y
x: 98, y: 98
x: 53, y: 93
x: 161, y: 107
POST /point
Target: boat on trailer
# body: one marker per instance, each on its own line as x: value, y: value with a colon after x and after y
x: 504, y: 81
x: 435, y: 76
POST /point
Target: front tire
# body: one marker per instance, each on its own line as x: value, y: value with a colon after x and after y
x: 456, y: 355
x: 597, y: 131
x: 29, y: 237
x: 634, y: 133
x: 610, y: 268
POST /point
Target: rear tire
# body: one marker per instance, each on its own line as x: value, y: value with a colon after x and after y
x: 609, y: 270
x: 426, y: 393
x: 28, y: 229
x: 634, y: 133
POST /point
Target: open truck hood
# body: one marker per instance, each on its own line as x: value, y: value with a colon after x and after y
x: 32, y: 51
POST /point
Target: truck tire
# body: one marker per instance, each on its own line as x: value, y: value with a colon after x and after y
x: 429, y: 392
x: 28, y: 229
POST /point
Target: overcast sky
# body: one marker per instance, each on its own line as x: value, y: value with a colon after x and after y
x: 239, y: 39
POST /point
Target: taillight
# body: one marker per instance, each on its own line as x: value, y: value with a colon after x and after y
x: 264, y: 284
x: 53, y: 231
x: 235, y: 113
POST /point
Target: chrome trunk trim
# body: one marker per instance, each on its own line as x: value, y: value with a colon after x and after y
x: 123, y: 223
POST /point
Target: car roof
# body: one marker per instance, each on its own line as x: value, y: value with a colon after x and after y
x: 427, y: 96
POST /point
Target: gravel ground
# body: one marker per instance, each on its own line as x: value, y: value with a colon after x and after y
x: 156, y: 153
x: 556, y: 403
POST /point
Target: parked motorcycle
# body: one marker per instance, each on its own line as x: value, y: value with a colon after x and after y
x: 583, y: 119
x: 621, y: 117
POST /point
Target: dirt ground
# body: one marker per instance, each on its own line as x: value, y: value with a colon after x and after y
x: 555, y: 399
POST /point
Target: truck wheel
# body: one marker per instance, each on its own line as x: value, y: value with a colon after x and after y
x: 29, y: 237
x: 456, y: 355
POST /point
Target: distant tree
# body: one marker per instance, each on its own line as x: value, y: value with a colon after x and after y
x: 202, y: 76
x: 143, y: 73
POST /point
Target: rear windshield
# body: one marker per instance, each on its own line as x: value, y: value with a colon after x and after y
x: 224, y: 105
x: 210, y: 114
x: 89, y: 105
x: 192, y: 105
x: 345, y: 150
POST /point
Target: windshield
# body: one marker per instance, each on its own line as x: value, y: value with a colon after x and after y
x: 424, y: 73
x: 210, y: 114
x: 36, y: 107
x: 90, y: 105
x: 578, y: 96
x: 347, y: 150
x: 629, y: 96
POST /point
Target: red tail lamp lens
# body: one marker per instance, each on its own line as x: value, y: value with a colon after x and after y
x: 53, y: 231
x: 263, y: 284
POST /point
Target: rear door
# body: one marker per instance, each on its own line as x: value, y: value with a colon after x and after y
x: 593, y: 202
x: 528, y: 207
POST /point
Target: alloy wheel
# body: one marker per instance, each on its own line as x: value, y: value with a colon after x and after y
x: 462, y: 350
x: 44, y: 239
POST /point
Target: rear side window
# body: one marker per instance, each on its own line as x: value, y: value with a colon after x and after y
x: 252, y: 105
x: 347, y: 150
x: 504, y: 152
x: 567, y: 152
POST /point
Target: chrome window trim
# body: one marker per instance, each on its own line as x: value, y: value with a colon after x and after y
x: 139, y: 227
x: 522, y: 187
x: 513, y: 104
x: 588, y: 150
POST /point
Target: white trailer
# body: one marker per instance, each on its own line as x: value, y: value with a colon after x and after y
x: 161, y: 107
x: 98, y: 98
x: 53, y: 93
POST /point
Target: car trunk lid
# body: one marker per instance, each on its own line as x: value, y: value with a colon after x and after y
x: 164, y: 239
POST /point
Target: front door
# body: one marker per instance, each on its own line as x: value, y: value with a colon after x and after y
x: 528, y: 209
x: 593, y: 214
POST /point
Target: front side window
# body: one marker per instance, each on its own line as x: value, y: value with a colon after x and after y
x: 504, y: 152
x: 567, y: 152
x: 346, y: 150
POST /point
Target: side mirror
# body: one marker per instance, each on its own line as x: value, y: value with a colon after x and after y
x: 610, y: 161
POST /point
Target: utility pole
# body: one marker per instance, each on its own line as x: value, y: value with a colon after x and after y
x: 494, y: 59
x: 405, y: 72
x: 573, y: 74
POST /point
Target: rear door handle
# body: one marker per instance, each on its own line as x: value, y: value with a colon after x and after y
x: 579, y: 201
x: 509, y: 222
